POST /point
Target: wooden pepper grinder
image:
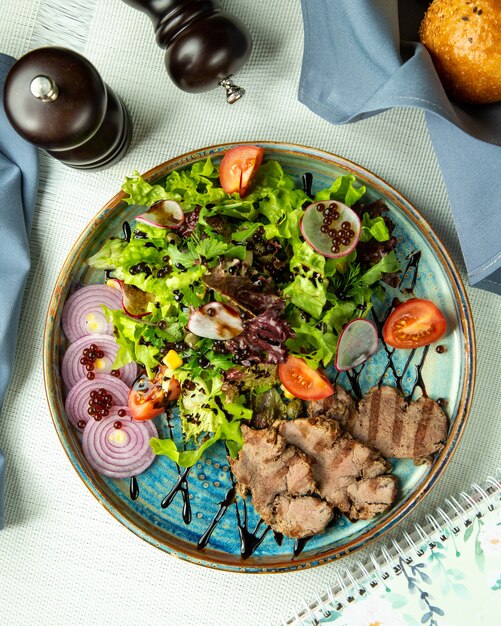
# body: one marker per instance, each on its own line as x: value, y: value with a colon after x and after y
x: 55, y: 99
x: 204, y: 45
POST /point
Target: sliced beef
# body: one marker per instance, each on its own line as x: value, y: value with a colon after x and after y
x: 301, y: 516
x: 349, y: 475
x: 279, y: 479
x: 371, y: 496
x: 396, y: 428
x: 339, y: 406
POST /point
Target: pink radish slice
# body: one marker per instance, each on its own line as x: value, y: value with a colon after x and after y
x: 83, y: 315
x: 356, y: 344
x: 77, y: 401
x: 215, y: 321
x: 118, y: 452
x: 72, y: 370
x: 331, y: 228
x: 163, y: 214
x: 134, y: 300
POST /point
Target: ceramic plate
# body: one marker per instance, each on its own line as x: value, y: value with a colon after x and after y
x: 175, y: 511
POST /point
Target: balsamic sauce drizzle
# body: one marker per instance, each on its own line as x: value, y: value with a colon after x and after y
x: 307, y: 183
x: 223, y: 507
x: 299, y: 545
x: 181, y: 486
x: 278, y: 538
x: 419, y: 377
x: 353, y: 377
x: 250, y: 540
x: 126, y: 231
x: 133, y: 488
x: 413, y: 263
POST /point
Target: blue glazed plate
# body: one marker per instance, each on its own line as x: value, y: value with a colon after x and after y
x: 174, y: 511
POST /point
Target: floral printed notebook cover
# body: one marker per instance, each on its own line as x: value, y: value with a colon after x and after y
x: 445, y: 573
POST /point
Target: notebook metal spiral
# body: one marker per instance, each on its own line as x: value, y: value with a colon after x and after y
x: 349, y: 584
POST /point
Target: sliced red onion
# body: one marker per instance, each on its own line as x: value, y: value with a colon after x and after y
x: 77, y: 401
x: 118, y: 452
x: 83, y: 315
x: 73, y: 370
x: 215, y: 321
x: 134, y: 300
x: 116, y: 411
x: 163, y: 214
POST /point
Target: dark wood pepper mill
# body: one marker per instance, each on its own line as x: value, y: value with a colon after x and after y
x: 204, y: 45
x: 56, y: 99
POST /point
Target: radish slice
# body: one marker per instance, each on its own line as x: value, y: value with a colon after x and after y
x: 77, y: 403
x: 82, y: 360
x: 163, y: 214
x: 331, y: 228
x: 215, y: 321
x: 134, y: 300
x: 356, y: 344
x: 83, y: 315
x: 118, y: 448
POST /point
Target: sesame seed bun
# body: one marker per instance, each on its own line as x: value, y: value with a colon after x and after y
x: 464, y: 40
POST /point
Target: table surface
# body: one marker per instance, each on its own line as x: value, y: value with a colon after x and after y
x: 63, y: 558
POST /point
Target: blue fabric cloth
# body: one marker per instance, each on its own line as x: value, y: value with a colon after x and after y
x: 361, y: 58
x: 18, y: 188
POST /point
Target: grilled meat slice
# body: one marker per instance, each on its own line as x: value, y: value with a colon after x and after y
x: 371, y: 496
x: 276, y: 474
x: 339, y: 406
x: 301, y: 516
x: 396, y: 428
x: 350, y: 475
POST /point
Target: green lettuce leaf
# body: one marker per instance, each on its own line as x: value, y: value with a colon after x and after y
x: 224, y: 424
x: 386, y: 265
x: 342, y: 189
x: 373, y: 228
x: 141, y: 192
x: 128, y: 332
x: 307, y: 294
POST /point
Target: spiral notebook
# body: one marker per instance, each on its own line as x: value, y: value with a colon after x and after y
x: 446, y: 572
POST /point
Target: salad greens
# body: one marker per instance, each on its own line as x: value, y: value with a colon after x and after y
x: 248, y: 250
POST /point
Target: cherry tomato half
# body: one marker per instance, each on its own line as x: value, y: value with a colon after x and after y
x: 238, y: 167
x: 413, y: 324
x: 302, y: 381
x: 147, y: 398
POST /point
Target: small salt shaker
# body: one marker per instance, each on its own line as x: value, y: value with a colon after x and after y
x: 56, y: 99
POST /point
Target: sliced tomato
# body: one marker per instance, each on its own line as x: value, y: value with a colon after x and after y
x: 147, y: 398
x: 302, y: 381
x: 413, y: 324
x: 238, y: 167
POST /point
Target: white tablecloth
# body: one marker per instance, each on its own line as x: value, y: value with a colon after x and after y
x: 63, y: 558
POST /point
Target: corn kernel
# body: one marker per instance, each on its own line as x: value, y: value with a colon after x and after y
x: 288, y: 394
x: 172, y: 360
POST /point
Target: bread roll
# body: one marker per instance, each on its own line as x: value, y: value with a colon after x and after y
x: 464, y: 40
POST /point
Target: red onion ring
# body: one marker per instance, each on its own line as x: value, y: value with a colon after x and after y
x: 116, y: 409
x: 72, y: 370
x: 77, y: 401
x: 118, y: 452
x: 85, y: 301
